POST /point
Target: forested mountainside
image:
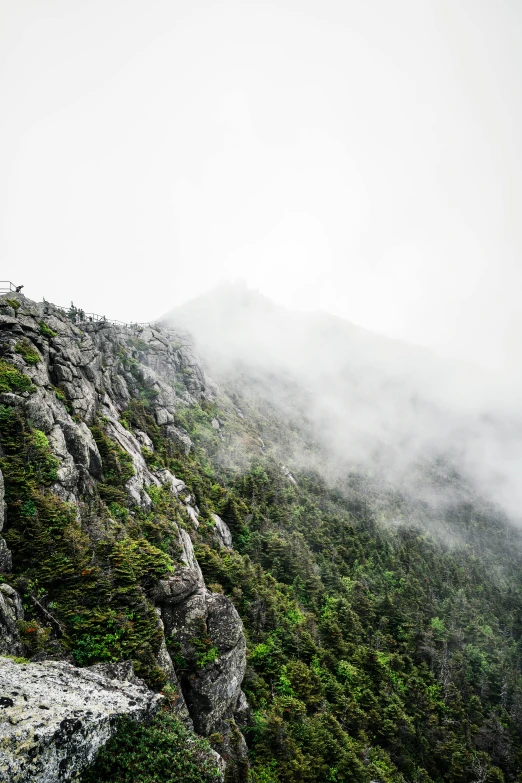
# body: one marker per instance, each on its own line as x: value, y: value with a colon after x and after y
x: 311, y: 627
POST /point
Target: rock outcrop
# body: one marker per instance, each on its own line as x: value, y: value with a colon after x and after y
x: 55, y: 717
x: 83, y: 373
x: 213, y: 691
x: 208, y: 632
x: 85, y: 377
x: 222, y: 534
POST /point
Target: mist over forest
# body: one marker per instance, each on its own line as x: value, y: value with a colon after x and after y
x: 373, y: 404
x: 260, y: 384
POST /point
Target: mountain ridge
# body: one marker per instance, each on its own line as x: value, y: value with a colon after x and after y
x: 228, y: 300
x: 313, y: 617
x: 363, y: 394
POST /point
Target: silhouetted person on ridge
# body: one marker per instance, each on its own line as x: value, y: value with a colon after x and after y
x: 18, y: 288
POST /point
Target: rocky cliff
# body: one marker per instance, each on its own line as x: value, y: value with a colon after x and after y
x: 156, y: 521
x: 99, y: 530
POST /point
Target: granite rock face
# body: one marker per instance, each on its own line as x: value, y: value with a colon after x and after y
x: 222, y: 534
x: 190, y: 612
x: 212, y: 684
x: 95, y: 370
x: 87, y: 373
x: 55, y: 717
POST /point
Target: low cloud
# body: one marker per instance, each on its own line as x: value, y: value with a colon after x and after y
x: 372, y: 404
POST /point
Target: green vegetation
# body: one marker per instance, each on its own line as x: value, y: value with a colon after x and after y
x: 160, y: 752
x: 117, y: 467
x: 33, y: 635
x: 96, y: 593
x: 46, y: 330
x: 12, y: 380
x: 61, y: 395
x: 16, y: 658
x: 376, y: 651
x: 14, y: 303
x: 27, y: 352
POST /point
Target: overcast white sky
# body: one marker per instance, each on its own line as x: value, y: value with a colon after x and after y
x: 359, y: 157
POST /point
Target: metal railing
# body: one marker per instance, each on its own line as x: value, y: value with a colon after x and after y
x: 6, y: 287
x: 76, y: 314
x: 79, y: 317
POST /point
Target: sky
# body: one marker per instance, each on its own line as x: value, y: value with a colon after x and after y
x: 361, y: 158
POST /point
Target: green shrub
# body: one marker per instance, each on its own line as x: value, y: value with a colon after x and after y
x: 33, y: 635
x: 153, y: 460
x: 118, y: 467
x: 14, y: 303
x: 137, y: 560
x: 90, y: 649
x: 61, y: 395
x: 16, y: 658
x: 46, y: 331
x: 160, y: 752
x: 207, y: 656
x: 27, y: 351
x: 12, y: 380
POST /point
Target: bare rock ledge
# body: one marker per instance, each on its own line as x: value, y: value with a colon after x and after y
x: 55, y: 717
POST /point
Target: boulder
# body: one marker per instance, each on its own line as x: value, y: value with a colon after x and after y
x: 179, y: 438
x: 176, y: 588
x: 222, y: 534
x: 82, y: 446
x: 55, y: 717
x: 213, y: 690
x: 38, y: 412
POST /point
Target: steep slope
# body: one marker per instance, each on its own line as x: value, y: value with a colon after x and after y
x: 148, y: 510
x: 98, y: 529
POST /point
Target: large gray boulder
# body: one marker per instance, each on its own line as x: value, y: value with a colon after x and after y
x: 55, y: 717
x: 212, y: 691
x: 179, y: 438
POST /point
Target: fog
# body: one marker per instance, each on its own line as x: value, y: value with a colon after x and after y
x: 356, y: 163
x: 356, y: 158
x: 371, y: 404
